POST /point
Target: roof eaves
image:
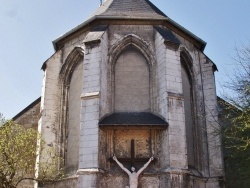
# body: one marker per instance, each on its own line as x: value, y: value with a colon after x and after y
x: 100, y: 17
x: 203, y: 43
x: 189, y: 33
x: 72, y: 31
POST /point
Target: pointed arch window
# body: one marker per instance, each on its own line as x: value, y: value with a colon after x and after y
x: 132, y: 87
x: 188, y: 95
x: 71, y: 76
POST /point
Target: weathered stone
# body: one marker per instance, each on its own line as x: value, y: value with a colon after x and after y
x: 132, y: 67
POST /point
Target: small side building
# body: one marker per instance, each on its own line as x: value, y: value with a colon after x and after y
x: 28, y: 118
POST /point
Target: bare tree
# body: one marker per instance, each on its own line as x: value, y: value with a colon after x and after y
x: 236, y: 116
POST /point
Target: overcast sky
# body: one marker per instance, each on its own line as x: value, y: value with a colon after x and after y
x: 28, y: 27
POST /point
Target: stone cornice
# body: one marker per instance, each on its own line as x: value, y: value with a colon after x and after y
x: 90, y: 95
x: 89, y: 171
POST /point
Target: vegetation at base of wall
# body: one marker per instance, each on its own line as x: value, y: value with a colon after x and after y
x: 236, y: 132
x: 18, y: 153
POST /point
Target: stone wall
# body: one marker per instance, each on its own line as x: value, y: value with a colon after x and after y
x: 162, y: 101
x: 48, y: 124
x: 104, y: 71
x: 30, y: 115
x: 106, y: 98
x: 70, y: 182
x: 90, y: 113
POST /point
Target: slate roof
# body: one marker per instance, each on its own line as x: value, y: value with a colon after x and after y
x: 133, y: 119
x: 167, y: 35
x: 129, y: 9
x: 121, y: 9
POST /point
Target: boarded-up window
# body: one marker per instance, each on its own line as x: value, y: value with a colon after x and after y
x: 132, y: 82
x: 189, y: 121
x: 73, y: 127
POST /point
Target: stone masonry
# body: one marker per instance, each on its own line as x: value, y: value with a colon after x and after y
x: 129, y: 60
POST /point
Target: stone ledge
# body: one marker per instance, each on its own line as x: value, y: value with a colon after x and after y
x: 207, y: 180
x: 175, y: 171
x: 175, y: 95
x: 67, y: 178
x: 91, y: 95
x: 89, y: 171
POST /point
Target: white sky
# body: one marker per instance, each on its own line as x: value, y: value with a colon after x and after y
x: 27, y: 29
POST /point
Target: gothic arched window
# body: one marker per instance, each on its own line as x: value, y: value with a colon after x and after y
x: 189, y: 114
x: 132, y: 92
x: 71, y: 76
x: 73, y: 123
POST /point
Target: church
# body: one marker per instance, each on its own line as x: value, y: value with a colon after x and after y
x: 132, y: 83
